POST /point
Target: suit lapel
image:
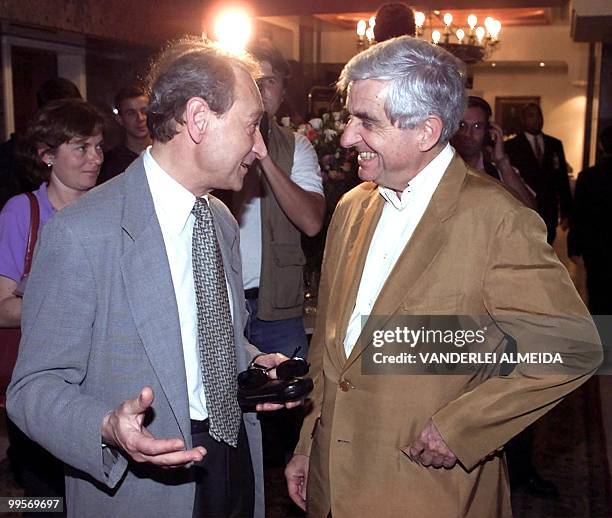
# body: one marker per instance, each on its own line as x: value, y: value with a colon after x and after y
x: 227, y: 238
x: 528, y: 150
x: 420, y: 252
x: 346, y: 287
x: 226, y: 235
x: 150, y: 293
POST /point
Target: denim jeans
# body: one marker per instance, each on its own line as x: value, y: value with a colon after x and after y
x: 280, y: 429
x: 272, y: 336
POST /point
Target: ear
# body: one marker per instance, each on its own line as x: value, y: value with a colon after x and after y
x: 197, y: 117
x: 429, y: 134
x: 44, y: 153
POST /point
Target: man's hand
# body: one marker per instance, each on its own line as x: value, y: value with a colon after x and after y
x: 577, y: 260
x: 430, y: 449
x: 296, y: 474
x: 123, y: 429
x: 497, y: 134
x: 564, y: 223
x: 271, y: 361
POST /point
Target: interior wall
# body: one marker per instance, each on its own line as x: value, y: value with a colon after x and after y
x: 285, y: 37
x: 138, y: 21
x: 563, y: 103
x: 562, y: 87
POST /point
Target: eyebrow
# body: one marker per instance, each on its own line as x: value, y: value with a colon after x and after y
x: 82, y: 140
x: 364, y: 116
x: 78, y: 140
x: 267, y: 77
x: 256, y: 115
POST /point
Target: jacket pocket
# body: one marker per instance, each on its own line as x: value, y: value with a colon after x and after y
x: 289, y: 260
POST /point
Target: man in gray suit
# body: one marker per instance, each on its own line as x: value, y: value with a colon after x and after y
x: 109, y: 377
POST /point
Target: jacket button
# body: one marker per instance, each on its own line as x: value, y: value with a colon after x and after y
x: 345, y: 385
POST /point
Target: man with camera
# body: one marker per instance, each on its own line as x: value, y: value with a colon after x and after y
x: 282, y: 198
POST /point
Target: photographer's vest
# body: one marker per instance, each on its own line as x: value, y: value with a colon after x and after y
x: 281, y: 283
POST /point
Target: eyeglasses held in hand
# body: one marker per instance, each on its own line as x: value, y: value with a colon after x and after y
x: 258, y: 375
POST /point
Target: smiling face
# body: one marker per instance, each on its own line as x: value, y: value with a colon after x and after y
x: 388, y: 155
x: 76, y: 164
x: 233, y: 140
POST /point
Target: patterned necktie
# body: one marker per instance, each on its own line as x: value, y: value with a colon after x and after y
x: 215, y: 329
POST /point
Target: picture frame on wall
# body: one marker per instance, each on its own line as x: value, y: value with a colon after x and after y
x: 508, y: 112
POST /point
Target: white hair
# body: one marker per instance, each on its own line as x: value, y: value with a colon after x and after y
x: 424, y: 80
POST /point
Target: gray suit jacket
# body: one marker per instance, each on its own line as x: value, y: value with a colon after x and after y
x: 99, y: 322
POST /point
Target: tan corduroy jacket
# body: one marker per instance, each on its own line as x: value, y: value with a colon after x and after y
x: 476, y: 251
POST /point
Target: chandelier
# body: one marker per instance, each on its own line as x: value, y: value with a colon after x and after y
x: 471, y: 44
x: 365, y: 33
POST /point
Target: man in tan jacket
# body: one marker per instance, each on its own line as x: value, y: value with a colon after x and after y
x: 427, y: 235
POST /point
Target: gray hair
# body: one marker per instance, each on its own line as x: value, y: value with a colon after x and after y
x: 424, y: 80
x: 186, y: 68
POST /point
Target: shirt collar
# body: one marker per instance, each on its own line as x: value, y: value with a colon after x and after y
x: 173, y: 203
x: 532, y: 138
x: 43, y: 199
x: 424, y: 183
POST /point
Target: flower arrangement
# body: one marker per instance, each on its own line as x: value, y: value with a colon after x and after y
x: 324, y: 134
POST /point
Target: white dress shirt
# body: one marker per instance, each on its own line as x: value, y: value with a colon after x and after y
x: 173, y: 204
x: 399, y: 218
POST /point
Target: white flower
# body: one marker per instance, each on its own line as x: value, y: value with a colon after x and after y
x: 340, y: 126
x: 325, y: 117
x: 337, y: 115
x: 316, y: 123
x: 329, y: 134
x: 286, y: 121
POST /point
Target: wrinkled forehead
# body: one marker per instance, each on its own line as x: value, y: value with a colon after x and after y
x: 268, y: 71
x: 132, y: 102
x: 532, y: 111
x: 366, y: 94
x: 475, y: 113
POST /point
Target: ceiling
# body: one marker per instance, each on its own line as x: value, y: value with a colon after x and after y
x: 509, y: 16
x: 301, y: 7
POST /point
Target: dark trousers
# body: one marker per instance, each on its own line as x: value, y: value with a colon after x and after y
x: 280, y: 429
x: 225, y: 485
x: 519, y: 455
x: 34, y: 468
x: 599, y: 286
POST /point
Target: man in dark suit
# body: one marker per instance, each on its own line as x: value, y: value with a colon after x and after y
x: 124, y: 372
x: 589, y: 238
x: 541, y: 161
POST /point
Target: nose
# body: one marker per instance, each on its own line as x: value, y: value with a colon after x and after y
x: 142, y: 116
x: 259, y: 147
x: 96, y: 155
x: 350, y: 136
